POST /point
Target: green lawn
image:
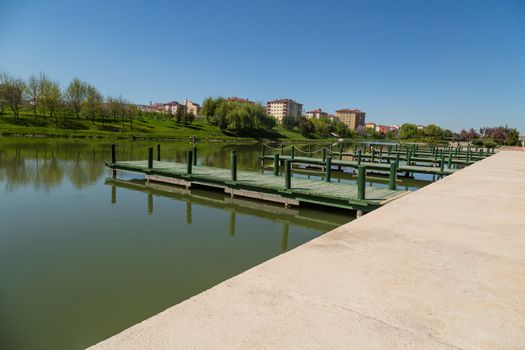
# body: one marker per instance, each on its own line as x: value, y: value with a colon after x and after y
x: 145, y: 128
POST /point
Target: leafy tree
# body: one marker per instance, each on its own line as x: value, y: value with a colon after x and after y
x: 179, y: 115
x: 408, y: 131
x: 75, y: 96
x: 289, y: 122
x: 513, y: 137
x: 341, y: 129
x: 209, y: 106
x: 51, y: 96
x: 189, y: 117
x: 93, y: 101
x: 432, y: 131
x: 306, y: 127
x: 391, y: 134
x: 11, y: 92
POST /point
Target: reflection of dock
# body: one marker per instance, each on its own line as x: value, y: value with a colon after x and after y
x: 297, y: 216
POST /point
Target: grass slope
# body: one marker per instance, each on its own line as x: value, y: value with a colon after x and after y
x: 145, y: 128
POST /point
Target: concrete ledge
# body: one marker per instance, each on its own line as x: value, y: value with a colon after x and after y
x: 441, y: 268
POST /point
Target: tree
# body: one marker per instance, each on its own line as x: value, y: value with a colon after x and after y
x: 209, y: 107
x: 289, y: 122
x: 189, y: 117
x: 361, y: 130
x: 34, y: 90
x: 432, y: 131
x: 306, y: 127
x: 75, y: 96
x: 513, y: 137
x: 93, y: 101
x: 51, y: 96
x: 179, y: 114
x: 11, y: 92
x: 408, y: 131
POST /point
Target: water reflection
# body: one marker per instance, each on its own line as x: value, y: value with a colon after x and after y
x: 84, y: 256
x: 308, y: 217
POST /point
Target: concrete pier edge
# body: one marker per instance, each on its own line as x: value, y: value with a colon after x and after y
x: 440, y: 268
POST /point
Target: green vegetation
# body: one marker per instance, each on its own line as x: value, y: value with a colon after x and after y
x: 40, y: 107
x: 318, y: 127
x: 235, y: 115
x: 145, y: 126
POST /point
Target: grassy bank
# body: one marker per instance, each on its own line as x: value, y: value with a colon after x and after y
x: 143, y: 128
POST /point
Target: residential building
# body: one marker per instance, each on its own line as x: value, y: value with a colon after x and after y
x: 383, y: 129
x: 371, y: 125
x: 192, y: 107
x: 353, y: 118
x: 284, y: 107
x: 172, y: 107
x: 316, y: 113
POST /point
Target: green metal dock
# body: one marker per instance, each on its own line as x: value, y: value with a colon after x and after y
x: 286, y: 189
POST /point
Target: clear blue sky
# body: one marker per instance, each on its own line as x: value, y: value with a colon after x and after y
x: 457, y: 63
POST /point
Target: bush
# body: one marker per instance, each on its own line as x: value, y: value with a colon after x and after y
x: 477, y: 142
x: 489, y: 143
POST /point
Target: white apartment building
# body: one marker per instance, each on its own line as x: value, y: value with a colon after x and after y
x: 284, y: 107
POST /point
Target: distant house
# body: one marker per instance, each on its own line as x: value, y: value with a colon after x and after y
x: 383, y: 129
x: 192, y: 107
x: 316, y: 113
x: 172, y: 106
x: 353, y: 118
x: 284, y: 108
x: 371, y: 126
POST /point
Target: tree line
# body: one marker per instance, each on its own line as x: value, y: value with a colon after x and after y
x: 487, y: 136
x: 47, y: 99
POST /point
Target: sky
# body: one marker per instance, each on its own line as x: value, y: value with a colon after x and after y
x: 455, y: 63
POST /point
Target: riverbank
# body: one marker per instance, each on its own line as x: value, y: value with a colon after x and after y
x: 417, y: 273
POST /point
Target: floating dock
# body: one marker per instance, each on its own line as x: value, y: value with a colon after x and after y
x: 369, y: 165
x: 261, y: 186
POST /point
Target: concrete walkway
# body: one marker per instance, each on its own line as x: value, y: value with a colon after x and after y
x: 441, y: 268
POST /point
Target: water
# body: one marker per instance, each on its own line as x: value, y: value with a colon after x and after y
x: 83, y: 257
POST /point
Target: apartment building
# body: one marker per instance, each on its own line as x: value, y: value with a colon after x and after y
x: 284, y: 107
x: 353, y: 118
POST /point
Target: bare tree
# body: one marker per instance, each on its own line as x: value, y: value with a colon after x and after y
x: 75, y: 95
x: 12, y: 92
x: 34, y: 90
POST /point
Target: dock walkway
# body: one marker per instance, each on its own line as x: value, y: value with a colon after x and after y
x: 265, y: 186
x: 439, y: 268
x: 369, y: 165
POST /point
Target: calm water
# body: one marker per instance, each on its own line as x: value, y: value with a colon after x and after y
x: 83, y: 257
